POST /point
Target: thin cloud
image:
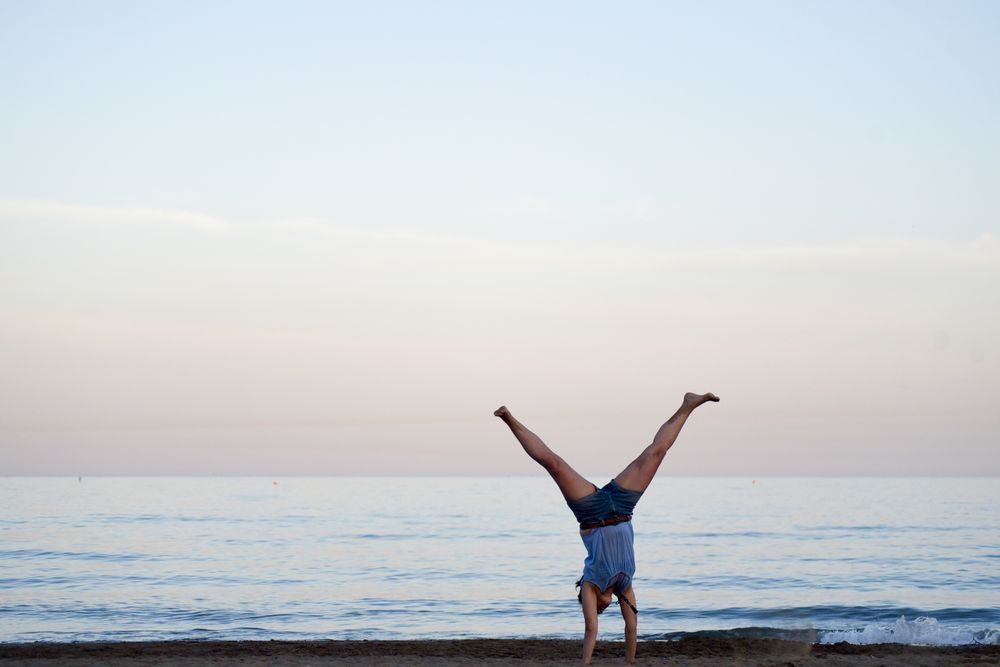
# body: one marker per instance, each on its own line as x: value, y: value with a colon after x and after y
x: 32, y: 209
x: 984, y: 250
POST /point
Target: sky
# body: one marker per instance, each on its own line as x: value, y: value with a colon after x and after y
x: 331, y: 238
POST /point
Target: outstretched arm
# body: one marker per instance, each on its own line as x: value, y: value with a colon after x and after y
x: 588, y: 597
x: 631, y: 624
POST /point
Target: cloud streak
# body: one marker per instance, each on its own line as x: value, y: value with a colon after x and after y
x: 984, y: 249
x: 36, y: 210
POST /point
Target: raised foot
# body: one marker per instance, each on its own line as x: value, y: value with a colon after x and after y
x: 692, y: 400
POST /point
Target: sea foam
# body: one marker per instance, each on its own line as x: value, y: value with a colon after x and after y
x: 921, y: 630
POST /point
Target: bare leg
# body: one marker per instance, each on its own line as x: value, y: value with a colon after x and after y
x: 572, y: 484
x: 639, y: 473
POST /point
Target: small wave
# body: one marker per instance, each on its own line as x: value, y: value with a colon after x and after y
x: 921, y: 630
x: 788, y: 634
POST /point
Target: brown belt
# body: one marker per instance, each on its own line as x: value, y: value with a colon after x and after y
x: 605, y: 522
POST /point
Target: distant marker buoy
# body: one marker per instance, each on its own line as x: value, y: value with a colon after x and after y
x: 275, y: 482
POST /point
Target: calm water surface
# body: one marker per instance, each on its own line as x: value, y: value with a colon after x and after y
x: 908, y: 560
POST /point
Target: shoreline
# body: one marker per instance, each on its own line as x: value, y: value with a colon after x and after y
x: 693, y: 651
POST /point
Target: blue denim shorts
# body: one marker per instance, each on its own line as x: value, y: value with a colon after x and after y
x: 604, y: 503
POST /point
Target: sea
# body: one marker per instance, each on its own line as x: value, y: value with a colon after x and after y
x: 862, y: 560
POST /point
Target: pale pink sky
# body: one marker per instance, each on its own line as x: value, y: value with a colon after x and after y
x: 283, y: 348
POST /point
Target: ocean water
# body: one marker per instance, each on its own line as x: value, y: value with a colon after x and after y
x: 825, y: 559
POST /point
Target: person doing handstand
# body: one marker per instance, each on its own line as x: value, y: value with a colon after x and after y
x: 605, y: 517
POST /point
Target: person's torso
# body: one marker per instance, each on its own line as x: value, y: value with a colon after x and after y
x: 610, y: 549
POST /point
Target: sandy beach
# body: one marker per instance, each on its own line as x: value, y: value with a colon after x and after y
x: 695, y: 652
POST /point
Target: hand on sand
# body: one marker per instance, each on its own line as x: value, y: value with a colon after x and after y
x: 692, y: 400
x: 502, y: 412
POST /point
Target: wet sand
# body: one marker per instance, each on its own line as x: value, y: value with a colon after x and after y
x: 694, y: 652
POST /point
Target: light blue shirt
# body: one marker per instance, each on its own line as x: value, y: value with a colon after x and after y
x: 610, y: 552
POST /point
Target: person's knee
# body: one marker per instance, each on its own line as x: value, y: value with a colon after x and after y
x: 554, y: 465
